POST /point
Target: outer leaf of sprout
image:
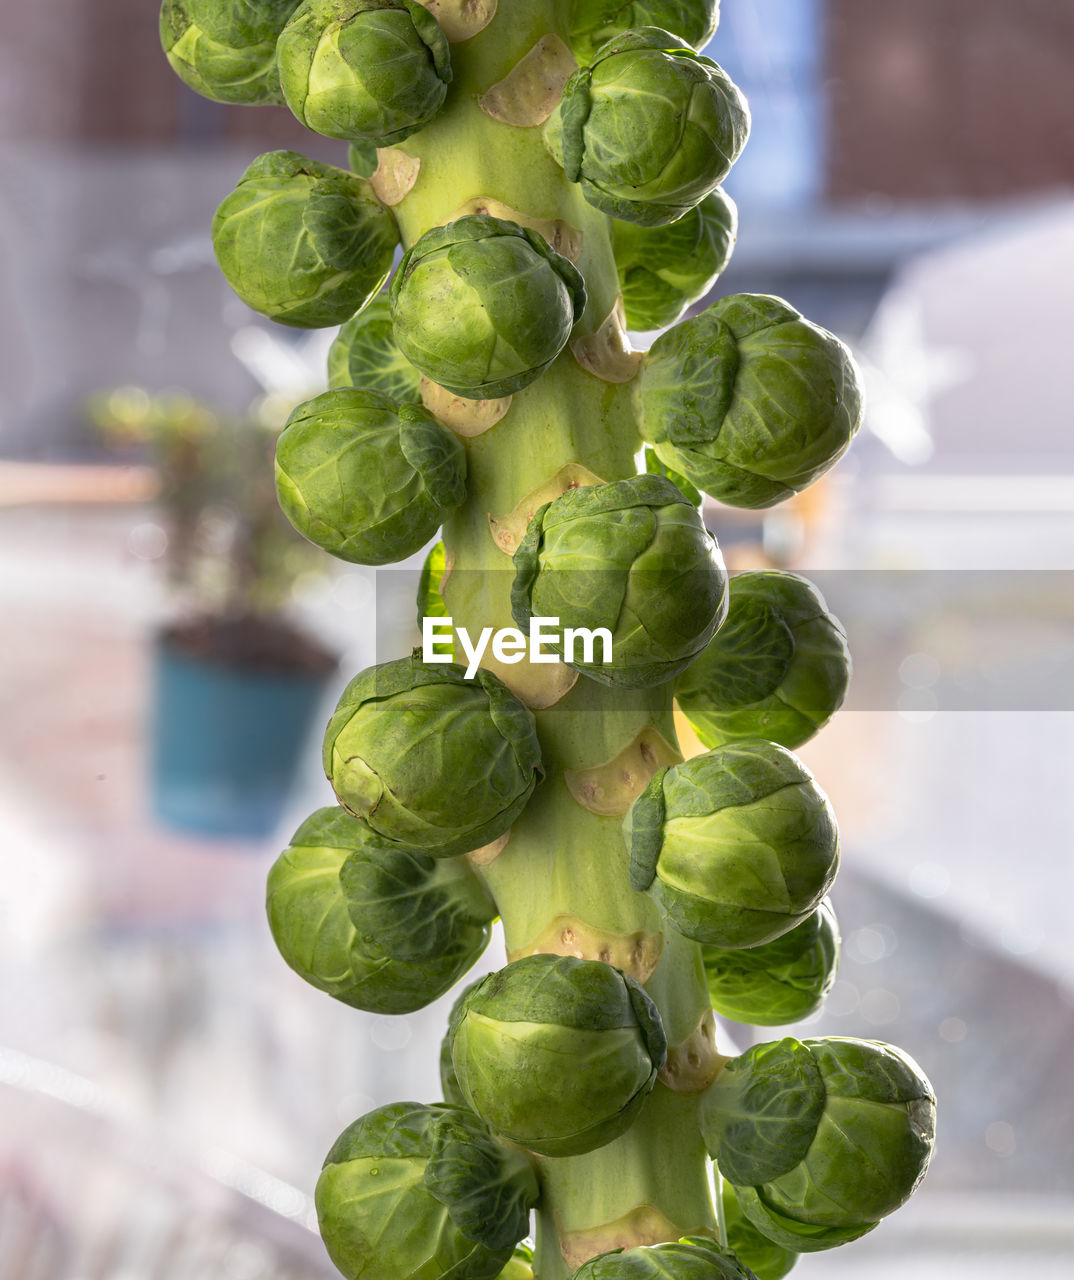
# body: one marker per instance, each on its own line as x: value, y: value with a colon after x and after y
x: 764, y: 1257
x: 691, y: 1258
x: 595, y: 22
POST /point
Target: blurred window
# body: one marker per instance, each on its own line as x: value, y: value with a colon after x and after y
x: 772, y: 49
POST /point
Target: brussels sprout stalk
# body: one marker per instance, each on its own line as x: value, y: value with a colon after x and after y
x: 549, y: 852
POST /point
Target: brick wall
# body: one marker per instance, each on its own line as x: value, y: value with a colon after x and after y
x: 949, y: 99
x: 93, y: 71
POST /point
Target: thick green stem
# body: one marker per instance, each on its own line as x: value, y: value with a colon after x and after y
x: 564, y: 867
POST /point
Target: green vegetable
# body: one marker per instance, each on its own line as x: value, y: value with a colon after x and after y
x: 382, y: 929
x: 748, y: 400
x: 737, y: 846
x: 303, y: 243
x: 402, y: 753
x: 483, y: 306
x: 649, y: 128
x: 820, y: 1138
x: 410, y: 1192
x: 595, y: 22
x: 663, y: 269
x: 778, y: 668
x: 762, y: 1256
x: 226, y: 49
x: 367, y: 479
x: 364, y: 70
x: 632, y: 557
x: 364, y: 355
x: 691, y: 1258
x: 780, y: 981
x: 557, y: 1054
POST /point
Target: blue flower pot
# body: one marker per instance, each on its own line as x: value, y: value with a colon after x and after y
x: 226, y: 743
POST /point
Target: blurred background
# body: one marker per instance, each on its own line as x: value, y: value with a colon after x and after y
x: 167, y: 1087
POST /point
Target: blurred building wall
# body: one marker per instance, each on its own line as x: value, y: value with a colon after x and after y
x: 92, y: 71
x: 949, y: 99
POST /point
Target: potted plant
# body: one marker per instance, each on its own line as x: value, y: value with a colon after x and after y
x: 235, y: 680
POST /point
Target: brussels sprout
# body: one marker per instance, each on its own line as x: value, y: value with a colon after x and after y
x: 632, y: 557
x: 691, y: 1258
x: 410, y: 1192
x: 737, y: 846
x: 779, y: 981
x: 226, y: 49
x: 382, y: 929
x: 363, y: 354
x: 366, y: 479
x: 764, y: 1258
x: 483, y: 306
x: 365, y: 70
x: 749, y: 400
x: 557, y: 1054
x: 430, y: 760
x: 663, y: 269
x: 778, y: 668
x: 820, y: 1138
x: 649, y: 128
x: 303, y: 243
x: 595, y: 22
